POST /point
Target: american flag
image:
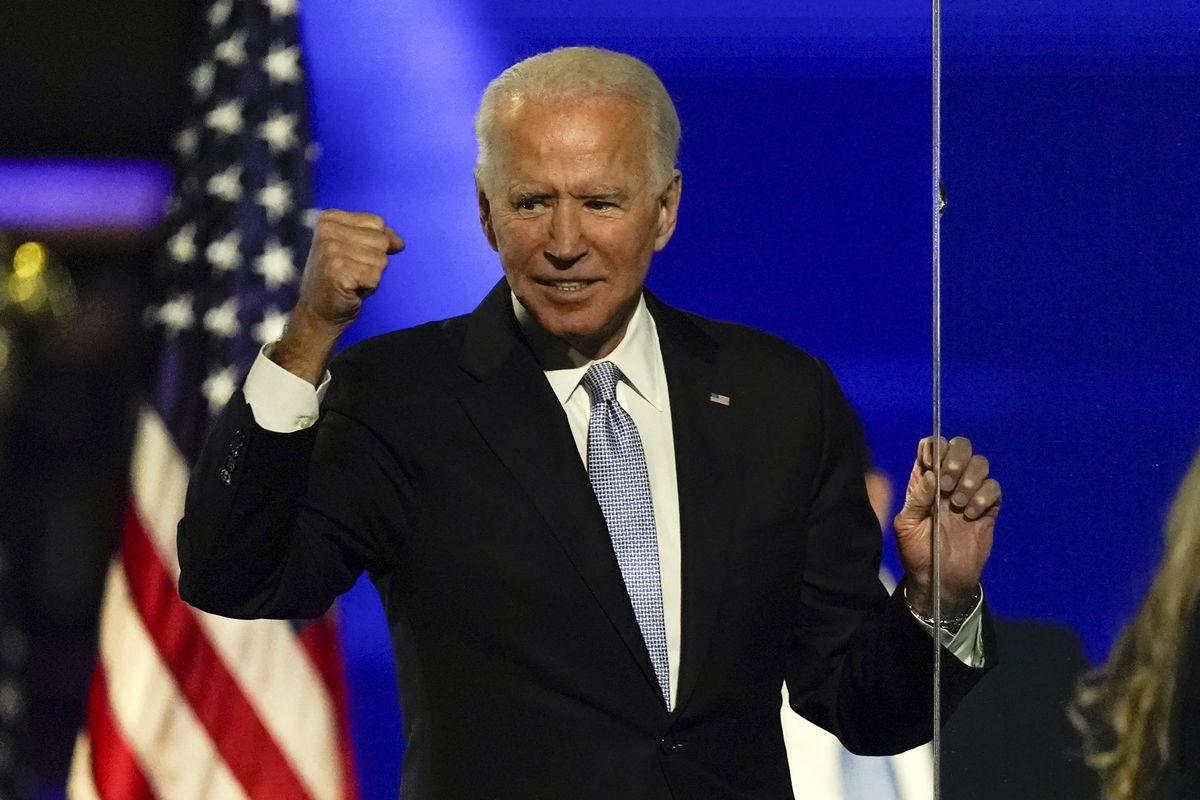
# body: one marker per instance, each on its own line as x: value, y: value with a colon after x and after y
x: 185, y: 705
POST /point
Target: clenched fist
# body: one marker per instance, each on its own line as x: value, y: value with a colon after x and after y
x: 348, y: 256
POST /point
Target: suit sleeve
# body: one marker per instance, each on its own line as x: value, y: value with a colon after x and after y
x: 859, y: 665
x: 280, y: 524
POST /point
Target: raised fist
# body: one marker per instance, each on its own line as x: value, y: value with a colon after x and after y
x: 348, y: 256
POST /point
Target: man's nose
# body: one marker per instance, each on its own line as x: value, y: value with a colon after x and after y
x: 566, y: 241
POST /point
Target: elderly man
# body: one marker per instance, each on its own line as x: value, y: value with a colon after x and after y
x: 605, y: 531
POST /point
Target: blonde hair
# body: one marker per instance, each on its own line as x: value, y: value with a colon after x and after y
x: 1124, y: 707
x: 572, y: 73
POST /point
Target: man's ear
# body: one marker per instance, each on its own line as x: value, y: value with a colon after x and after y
x: 485, y: 214
x: 668, y: 210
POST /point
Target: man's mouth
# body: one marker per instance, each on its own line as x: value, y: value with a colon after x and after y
x: 566, y: 285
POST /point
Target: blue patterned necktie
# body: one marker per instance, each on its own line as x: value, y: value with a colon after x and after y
x: 616, y: 466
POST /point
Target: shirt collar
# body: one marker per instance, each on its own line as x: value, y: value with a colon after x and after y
x: 637, y: 356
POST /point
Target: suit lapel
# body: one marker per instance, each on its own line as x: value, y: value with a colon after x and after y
x: 518, y: 415
x: 705, y: 455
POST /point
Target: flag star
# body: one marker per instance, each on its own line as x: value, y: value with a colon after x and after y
x: 182, y: 246
x: 282, y: 64
x: 279, y: 131
x: 219, y: 12
x: 275, y: 265
x: 176, y: 314
x: 226, y: 118
x: 281, y: 8
x: 276, y: 198
x: 225, y: 253
x: 271, y: 327
x: 222, y: 320
x: 227, y: 184
x: 202, y: 79
x: 309, y: 217
x: 233, y: 50
x: 186, y: 141
x: 218, y: 387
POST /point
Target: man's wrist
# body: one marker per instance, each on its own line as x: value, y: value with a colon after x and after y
x: 953, y: 617
x: 305, y: 346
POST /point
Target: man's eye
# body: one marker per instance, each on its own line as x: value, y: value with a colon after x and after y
x: 600, y: 205
x: 530, y: 204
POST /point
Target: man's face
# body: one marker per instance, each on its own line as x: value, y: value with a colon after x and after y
x: 572, y: 209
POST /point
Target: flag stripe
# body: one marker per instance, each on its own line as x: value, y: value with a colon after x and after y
x: 176, y: 755
x: 113, y: 769
x: 319, y: 641
x: 80, y: 785
x: 218, y: 701
x: 158, y: 481
x: 257, y: 653
x: 213, y: 708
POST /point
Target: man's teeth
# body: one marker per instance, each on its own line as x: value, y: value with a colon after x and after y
x: 569, y: 286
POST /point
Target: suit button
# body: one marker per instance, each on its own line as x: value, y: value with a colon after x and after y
x: 669, y: 745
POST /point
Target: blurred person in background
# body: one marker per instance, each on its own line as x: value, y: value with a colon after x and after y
x: 1140, y: 712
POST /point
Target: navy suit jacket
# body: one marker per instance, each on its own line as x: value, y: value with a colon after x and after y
x: 444, y: 465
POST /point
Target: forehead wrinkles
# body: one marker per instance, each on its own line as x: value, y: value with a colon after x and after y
x: 595, y: 131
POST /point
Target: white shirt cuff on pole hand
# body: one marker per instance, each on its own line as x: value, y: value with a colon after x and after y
x: 280, y: 401
x: 967, y: 643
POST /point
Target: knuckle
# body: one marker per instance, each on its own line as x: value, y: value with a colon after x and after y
x: 325, y: 229
x: 369, y: 220
x: 377, y: 240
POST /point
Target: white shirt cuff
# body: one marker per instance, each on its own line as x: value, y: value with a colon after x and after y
x: 280, y: 401
x: 967, y: 643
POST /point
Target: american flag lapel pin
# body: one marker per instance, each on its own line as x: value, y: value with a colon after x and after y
x: 719, y: 399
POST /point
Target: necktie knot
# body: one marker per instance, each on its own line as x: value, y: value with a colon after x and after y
x: 601, y: 381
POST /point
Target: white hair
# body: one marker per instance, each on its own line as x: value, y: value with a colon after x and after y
x: 572, y: 73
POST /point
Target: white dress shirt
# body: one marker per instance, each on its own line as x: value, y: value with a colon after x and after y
x: 642, y: 392
x: 284, y: 403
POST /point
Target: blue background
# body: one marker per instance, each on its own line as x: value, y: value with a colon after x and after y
x: 1071, y: 351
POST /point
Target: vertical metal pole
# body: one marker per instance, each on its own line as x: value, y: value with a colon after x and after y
x: 935, y: 537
